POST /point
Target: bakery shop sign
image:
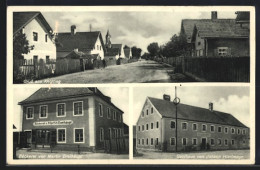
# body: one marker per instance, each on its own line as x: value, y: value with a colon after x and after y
x: 54, y: 123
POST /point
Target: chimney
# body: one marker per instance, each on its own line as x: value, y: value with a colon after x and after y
x: 73, y: 29
x: 214, y: 15
x: 210, y: 106
x: 166, y: 97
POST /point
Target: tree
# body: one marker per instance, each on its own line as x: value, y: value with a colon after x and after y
x: 136, y: 52
x: 126, y: 47
x: 153, y: 49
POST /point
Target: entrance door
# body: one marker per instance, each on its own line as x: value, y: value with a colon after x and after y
x: 203, y: 143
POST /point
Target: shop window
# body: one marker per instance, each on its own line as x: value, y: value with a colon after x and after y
x: 100, y: 110
x: 61, y: 110
x: 29, y: 114
x: 172, y: 141
x: 79, y: 135
x: 61, y: 135
x: 78, y: 108
x: 43, y: 111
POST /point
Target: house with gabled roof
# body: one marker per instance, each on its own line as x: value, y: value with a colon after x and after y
x: 70, y: 119
x: 86, y: 42
x: 38, y: 33
x: 194, y: 128
x: 128, y: 52
x: 216, y: 37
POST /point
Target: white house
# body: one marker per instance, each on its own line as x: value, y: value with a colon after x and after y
x: 38, y: 33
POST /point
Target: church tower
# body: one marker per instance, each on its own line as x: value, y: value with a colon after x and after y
x: 108, y: 41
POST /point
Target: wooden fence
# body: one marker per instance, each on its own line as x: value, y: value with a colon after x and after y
x: 66, y: 66
x: 116, y: 145
x: 213, y: 69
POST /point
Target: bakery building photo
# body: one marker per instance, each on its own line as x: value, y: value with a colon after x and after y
x: 190, y: 122
x: 72, y: 119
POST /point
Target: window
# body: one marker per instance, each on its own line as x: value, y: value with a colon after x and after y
x: 151, y: 110
x: 35, y: 36
x: 194, y: 141
x: 204, y: 128
x: 147, y: 126
x: 61, y: 110
x: 222, y: 51
x: 219, y: 129
x: 244, y: 142
x: 172, y: 141
x: 114, y: 115
x: 226, y: 130
x: 109, y: 133
x: 151, y: 141
x: 194, y: 126
x: 142, y: 127
x: 46, y: 37
x: 157, y: 124
x: 226, y: 142
x: 29, y: 114
x: 151, y: 125
x: 184, y: 126
x: 212, y: 142
x: 115, y: 132
x: 142, y: 113
x: 120, y: 118
x: 101, y: 135
x: 61, y: 135
x: 172, y: 124
x: 244, y: 132
x: 142, y: 141
x: 108, y: 113
x: 97, y: 47
x: 35, y: 59
x: 139, y: 128
x: 199, y: 43
x: 147, y: 141
x: 100, y: 110
x: 232, y: 142
x: 79, y: 135
x: 201, y: 52
x: 147, y: 112
x: 78, y: 108
x: 47, y: 59
x: 238, y: 131
x: 184, y: 141
x: 43, y: 111
x: 139, y: 141
x: 219, y: 141
x: 212, y: 128
x: 232, y: 130
x: 157, y: 141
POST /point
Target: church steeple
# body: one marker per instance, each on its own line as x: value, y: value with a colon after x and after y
x: 108, y: 41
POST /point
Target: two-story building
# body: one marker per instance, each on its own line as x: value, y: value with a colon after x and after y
x: 68, y: 118
x: 38, y: 33
x: 197, y: 128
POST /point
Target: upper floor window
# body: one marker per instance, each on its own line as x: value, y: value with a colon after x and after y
x: 114, y: 115
x: 139, y: 128
x: 232, y: 130
x: 108, y: 113
x: 79, y: 135
x: 35, y: 36
x: 61, y: 110
x: 97, y: 47
x: 151, y: 125
x: 157, y: 124
x: 238, y: 131
x: 147, y: 112
x: 184, y: 126
x: 173, y: 125
x: 194, y: 126
x: 142, y: 127
x: 43, y: 111
x: 46, y: 37
x: 151, y: 110
x: 204, y: 128
x: 119, y: 118
x: 147, y: 126
x: 29, y: 113
x: 226, y: 130
x: 142, y: 113
x: 244, y: 132
x: 100, y: 110
x: 219, y: 129
x: 78, y: 108
x: 212, y: 128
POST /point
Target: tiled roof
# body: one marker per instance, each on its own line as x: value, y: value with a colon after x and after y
x: 75, y: 54
x: 243, y: 16
x: 127, y: 52
x: 187, y: 112
x: 112, y: 52
x: 48, y: 94
x: 21, y: 19
x: 83, y: 41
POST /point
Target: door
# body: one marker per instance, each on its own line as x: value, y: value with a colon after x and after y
x: 203, y: 143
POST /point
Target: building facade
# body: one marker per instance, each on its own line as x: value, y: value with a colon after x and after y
x: 68, y: 118
x: 197, y: 128
x: 38, y: 33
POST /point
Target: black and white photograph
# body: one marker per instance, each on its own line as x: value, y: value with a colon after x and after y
x: 71, y: 123
x: 192, y: 123
x: 86, y: 47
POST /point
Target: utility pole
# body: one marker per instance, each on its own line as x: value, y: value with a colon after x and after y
x: 176, y: 101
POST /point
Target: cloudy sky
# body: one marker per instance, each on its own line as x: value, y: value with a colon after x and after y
x: 233, y: 100
x: 119, y: 96
x: 130, y: 28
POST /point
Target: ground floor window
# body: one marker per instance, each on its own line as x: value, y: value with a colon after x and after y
x: 157, y: 141
x: 226, y: 142
x: 142, y: 141
x: 184, y: 141
x: 172, y: 141
x: 79, y: 135
x: 212, y: 142
x: 139, y: 141
x: 219, y: 141
x: 232, y: 142
x: 147, y: 141
x: 151, y: 141
x: 61, y: 135
x: 194, y: 141
x: 101, y: 134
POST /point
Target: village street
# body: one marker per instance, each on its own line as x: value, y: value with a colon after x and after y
x: 137, y: 72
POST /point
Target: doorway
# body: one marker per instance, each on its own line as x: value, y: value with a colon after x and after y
x: 203, y: 143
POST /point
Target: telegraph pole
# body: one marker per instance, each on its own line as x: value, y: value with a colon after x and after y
x: 176, y: 101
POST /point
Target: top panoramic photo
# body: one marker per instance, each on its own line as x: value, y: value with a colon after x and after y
x: 148, y: 45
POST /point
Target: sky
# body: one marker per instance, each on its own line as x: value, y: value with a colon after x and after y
x: 119, y: 97
x: 129, y: 28
x: 233, y: 100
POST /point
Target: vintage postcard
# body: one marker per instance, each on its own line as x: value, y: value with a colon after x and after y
x: 130, y: 85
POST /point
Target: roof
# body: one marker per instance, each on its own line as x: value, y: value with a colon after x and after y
x: 83, y: 41
x: 127, y: 52
x: 243, y: 16
x: 21, y: 19
x: 112, y: 52
x: 75, y: 54
x: 48, y: 94
x: 213, y: 28
x: 167, y: 109
x: 117, y: 46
